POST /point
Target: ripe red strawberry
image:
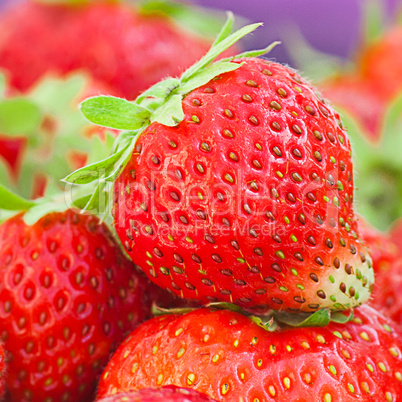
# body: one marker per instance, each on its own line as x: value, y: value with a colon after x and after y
x: 381, y: 64
x: 163, y: 394
x: 387, y: 265
x: 68, y: 296
x: 360, y: 98
x: 249, y: 199
x: 112, y: 41
x: 228, y: 357
x: 2, y: 369
x: 383, y: 250
x: 387, y: 295
x: 396, y: 233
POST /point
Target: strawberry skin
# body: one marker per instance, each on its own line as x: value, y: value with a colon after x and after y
x: 163, y: 394
x: 2, y: 369
x: 67, y: 297
x: 360, y: 98
x: 249, y: 199
x: 228, y: 357
x: 112, y: 41
x: 387, y: 265
x: 387, y: 291
x: 381, y: 64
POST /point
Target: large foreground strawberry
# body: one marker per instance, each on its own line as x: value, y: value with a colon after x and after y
x: 162, y: 394
x: 241, y: 189
x: 68, y: 296
x: 228, y: 357
x: 113, y: 41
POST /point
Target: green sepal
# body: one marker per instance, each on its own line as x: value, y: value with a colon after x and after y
x: 160, y: 90
x: 158, y: 311
x: 267, y: 323
x: 320, y: 318
x: 341, y: 318
x: 112, y: 112
x: 226, y: 29
x: 19, y: 116
x: 94, y: 171
x: 218, y: 49
x: 10, y: 201
x: 255, y: 53
x: 170, y: 113
x: 207, y: 75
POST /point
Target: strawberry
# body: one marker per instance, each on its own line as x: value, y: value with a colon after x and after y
x: 383, y: 250
x: 387, y: 291
x: 163, y: 394
x: 2, y: 369
x: 381, y: 63
x: 396, y: 233
x: 387, y: 265
x: 245, y: 195
x: 68, y: 296
x: 117, y: 44
x: 228, y: 357
x: 360, y: 98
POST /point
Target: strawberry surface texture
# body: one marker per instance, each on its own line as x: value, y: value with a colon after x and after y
x: 163, y: 394
x: 249, y: 199
x: 227, y: 356
x: 2, y: 369
x: 68, y: 296
x: 112, y: 41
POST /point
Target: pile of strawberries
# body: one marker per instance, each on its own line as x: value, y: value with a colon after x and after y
x: 205, y: 246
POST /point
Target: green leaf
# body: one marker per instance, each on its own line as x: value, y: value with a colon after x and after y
x: 341, y: 318
x: 13, y: 202
x: 225, y: 30
x: 94, y: 171
x: 255, y: 53
x: 217, y: 49
x: 112, y: 112
x: 207, y: 75
x: 160, y: 90
x: 267, y: 323
x: 320, y: 318
x: 101, y: 149
x: 158, y: 311
x: 170, y: 113
x: 19, y: 116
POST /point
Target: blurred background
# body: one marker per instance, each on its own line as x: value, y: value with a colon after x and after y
x: 54, y: 53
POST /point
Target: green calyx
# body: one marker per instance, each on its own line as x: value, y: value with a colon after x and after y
x: 271, y: 320
x: 161, y: 103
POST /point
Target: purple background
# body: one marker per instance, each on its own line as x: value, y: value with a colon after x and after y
x: 332, y: 26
